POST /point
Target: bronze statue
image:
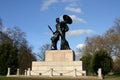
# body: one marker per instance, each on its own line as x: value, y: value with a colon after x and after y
x: 61, y: 29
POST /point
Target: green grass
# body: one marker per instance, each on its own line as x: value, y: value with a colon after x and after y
x: 41, y: 78
x: 116, y: 75
x: 113, y: 76
x: 109, y: 77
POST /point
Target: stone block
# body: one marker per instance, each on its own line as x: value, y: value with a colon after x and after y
x: 59, y: 55
x: 64, y: 68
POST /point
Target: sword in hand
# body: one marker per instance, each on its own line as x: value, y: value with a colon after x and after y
x: 50, y: 29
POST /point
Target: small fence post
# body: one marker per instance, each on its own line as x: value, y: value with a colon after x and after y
x: 28, y: 72
x: 18, y: 71
x: 25, y: 72
x: 100, y: 73
x: 51, y: 72
x: 8, y: 73
x: 75, y: 74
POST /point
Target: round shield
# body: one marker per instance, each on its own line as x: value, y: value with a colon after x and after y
x: 67, y: 19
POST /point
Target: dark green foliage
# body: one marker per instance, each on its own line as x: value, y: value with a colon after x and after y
x: 8, y: 58
x: 87, y: 58
x: 14, y: 52
x: 25, y: 55
x: 25, y: 58
x: 101, y: 59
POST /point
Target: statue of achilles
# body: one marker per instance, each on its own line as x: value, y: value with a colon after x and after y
x: 61, y: 29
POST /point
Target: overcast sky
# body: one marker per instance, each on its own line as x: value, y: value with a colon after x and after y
x: 90, y: 17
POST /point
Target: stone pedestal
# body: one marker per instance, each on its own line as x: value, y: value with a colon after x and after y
x: 59, y: 55
x: 64, y: 68
x: 58, y: 62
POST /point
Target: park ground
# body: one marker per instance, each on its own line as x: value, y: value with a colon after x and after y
x: 112, y: 77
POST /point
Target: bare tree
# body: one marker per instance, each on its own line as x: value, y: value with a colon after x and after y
x: 41, y: 54
x: 110, y: 41
x: 93, y: 44
x: 116, y: 66
x: 25, y: 54
x: 0, y: 24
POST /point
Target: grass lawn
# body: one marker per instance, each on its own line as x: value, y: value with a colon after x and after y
x: 113, y: 77
x: 43, y: 78
x: 109, y: 77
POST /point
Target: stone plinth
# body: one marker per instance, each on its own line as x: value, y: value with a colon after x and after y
x: 58, y: 62
x: 64, y: 68
x: 59, y: 55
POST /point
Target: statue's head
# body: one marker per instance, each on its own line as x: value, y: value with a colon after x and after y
x: 57, y: 20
